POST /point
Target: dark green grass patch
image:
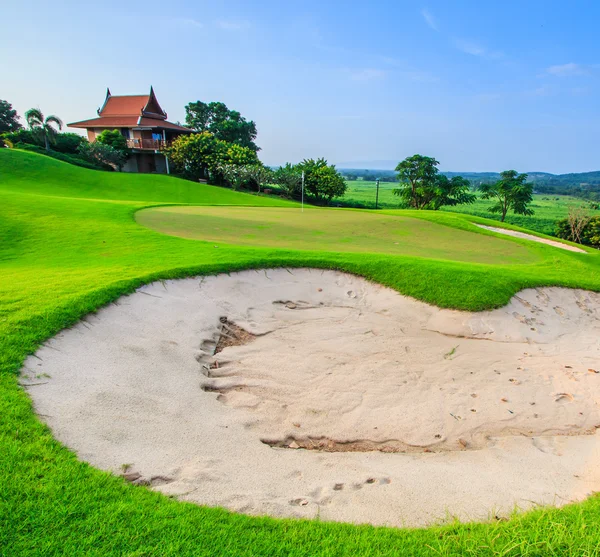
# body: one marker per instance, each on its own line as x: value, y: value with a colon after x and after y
x: 63, y: 255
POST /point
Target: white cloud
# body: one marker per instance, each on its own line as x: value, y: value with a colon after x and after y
x: 188, y: 22
x: 232, y: 25
x: 429, y: 19
x: 566, y: 70
x: 476, y: 49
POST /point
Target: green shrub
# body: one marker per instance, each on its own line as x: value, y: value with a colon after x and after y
x: 68, y: 143
x: 590, y: 234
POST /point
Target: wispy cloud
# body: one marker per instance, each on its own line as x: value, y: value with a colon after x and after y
x: 229, y: 25
x: 567, y: 70
x: 188, y: 22
x: 366, y: 74
x: 429, y: 19
x: 407, y: 72
x: 476, y: 49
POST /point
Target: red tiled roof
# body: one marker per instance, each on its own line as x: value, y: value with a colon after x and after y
x: 127, y: 122
x: 131, y: 105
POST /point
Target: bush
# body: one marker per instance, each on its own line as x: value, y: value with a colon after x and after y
x: 114, y: 139
x: 65, y: 157
x: 64, y: 142
x: 99, y: 153
x: 590, y: 234
x: 68, y: 143
x: 22, y: 136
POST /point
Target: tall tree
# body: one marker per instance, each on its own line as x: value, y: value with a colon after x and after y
x: 511, y: 192
x: 227, y: 125
x: 9, y: 119
x: 322, y: 180
x: 422, y: 187
x: 43, y: 127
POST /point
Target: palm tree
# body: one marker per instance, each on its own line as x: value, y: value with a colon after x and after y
x: 43, y: 126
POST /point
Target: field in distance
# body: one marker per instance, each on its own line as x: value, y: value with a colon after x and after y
x: 548, y: 208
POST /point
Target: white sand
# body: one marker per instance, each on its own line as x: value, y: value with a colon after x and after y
x: 489, y: 410
x: 516, y: 234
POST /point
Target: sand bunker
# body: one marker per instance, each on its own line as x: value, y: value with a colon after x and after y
x: 525, y: 236
x: 315, y: 393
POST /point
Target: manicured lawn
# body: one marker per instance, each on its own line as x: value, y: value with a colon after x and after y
x: 69, y: 243
x: 548, y: 208
x: 333, y: 230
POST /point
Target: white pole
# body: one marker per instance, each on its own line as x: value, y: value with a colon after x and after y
x: 303, y: 191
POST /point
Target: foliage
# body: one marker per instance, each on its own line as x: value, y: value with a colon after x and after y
x: 9, y: 119
x: 77, y: 160
x: 114, y: 139
x: 68, y: 142
x: 63, y: 142
x: 239, y: 175
x: 321, y: 180
x: 511, y: 192
x: 227, y: 125
x: 586, y: 231
x: 54, y: 504
x: 422, y: 187
x: 43, y: 127
x: 103, y: 154
x: 201, y: 156
x: 259, y: 175
x: 289, y: 180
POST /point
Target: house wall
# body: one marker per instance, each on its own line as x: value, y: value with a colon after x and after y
x: 132, y: 164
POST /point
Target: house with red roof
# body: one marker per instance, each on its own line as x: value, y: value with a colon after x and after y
x: 142, y: 122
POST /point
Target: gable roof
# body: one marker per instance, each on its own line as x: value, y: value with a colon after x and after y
x: 130, y: 111
x: 132, y: 105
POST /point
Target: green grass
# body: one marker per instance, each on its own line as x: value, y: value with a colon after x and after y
x: 69, y: 243
x: 548, y: 208
x: 334, y: 230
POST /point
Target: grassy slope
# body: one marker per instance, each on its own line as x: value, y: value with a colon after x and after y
x: 548, y: 208
x: 62, y: 257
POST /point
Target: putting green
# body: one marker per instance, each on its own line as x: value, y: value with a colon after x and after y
x: 333, y: 230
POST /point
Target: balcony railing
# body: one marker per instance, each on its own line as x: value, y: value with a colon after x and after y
x: 150, y: 144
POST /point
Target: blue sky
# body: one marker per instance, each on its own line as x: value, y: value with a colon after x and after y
x: 479, y: 85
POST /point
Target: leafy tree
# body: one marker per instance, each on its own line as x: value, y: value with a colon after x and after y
x: 227, y: 125
x: 97, y: 152
x: 115, y: 139
x: 260, y: 175
x: 450, y: 192
x: 201, y: 156
x: 192, y: 155
x: 289, y: 180
x: 422, y: 187
x: 321, y: 180
x: 237, y: 175
x: 43, y: 127
x: 9, y: 119
x: 511, y: 192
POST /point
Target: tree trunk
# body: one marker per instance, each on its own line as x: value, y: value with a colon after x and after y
x: 47, y: 142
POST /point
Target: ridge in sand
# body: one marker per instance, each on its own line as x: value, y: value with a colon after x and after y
x: 212, y: 388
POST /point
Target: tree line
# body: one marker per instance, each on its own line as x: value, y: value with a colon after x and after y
x: 423, y: 187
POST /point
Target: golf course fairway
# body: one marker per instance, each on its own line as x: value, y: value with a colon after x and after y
x: 70, y: 244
